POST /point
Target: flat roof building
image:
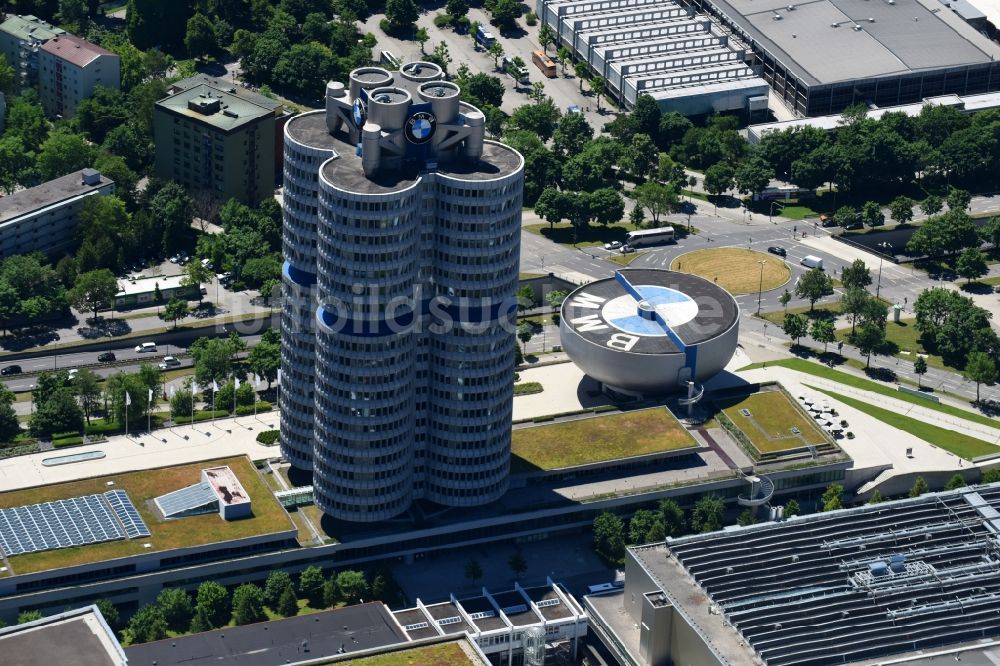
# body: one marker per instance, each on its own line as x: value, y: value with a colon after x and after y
x: 80, y: 637
x: 658, y: 48
x: 44, y: 218
x: 824, y: 55
x: 902, y: 579
x: 69, y: 69
x: 210, y: 137
x: 142, y: 292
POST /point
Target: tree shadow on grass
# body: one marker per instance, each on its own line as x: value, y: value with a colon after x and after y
x: 977, y: 288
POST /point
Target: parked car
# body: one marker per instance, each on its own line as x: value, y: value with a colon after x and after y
x: 780, y: 251
x: 145, y: 347
x: 613, y: 245
x: 169, y: 362
x: 175, y: 259
x: 11, y: 370
x: 206, y: 262
x: 626, y: 249
x: 107, y: 357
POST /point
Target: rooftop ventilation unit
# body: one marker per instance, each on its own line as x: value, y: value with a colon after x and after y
x: 790, y: 8
x: 857, y: 28
x: 871, y: 20
x: 777, y: 17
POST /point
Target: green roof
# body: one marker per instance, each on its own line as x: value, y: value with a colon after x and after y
x: 30, y: 27
x: 215, y: 107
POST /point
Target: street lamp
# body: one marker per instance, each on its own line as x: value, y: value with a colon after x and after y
x: 770, y: 211
x: 760, y: 287
x: 885, y: 246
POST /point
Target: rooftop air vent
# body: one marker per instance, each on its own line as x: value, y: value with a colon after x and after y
x: 777, y: 17
x: 871, y: 20
x: 834, y: 25
x: 790, y: 8
x: 857, y: 28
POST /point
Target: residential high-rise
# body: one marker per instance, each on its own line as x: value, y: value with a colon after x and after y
x: 402, y: 240
x: 69, y: 69
x: 20, y: 39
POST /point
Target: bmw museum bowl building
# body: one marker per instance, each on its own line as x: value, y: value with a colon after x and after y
x: 648, y: 332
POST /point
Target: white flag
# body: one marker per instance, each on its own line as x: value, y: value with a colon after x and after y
x: 150, y: 396
x: 279, y: 377
x: 236, y: 384
x: 128, y: 399
x: 215, y: 385
x: 194, y: 387
x: 256, y: 379
x: 173, y: 391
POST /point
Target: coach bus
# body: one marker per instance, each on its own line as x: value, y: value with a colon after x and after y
x: 542, y: 62
x: 650, y: 237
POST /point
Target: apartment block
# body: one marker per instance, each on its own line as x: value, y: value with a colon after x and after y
x: 20, y: 39
x: 69, y: 69
x: 44, y: 218
x: 210, y: 137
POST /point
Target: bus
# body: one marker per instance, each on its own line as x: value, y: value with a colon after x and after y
x: 650, y: 237
x: 542, y: 62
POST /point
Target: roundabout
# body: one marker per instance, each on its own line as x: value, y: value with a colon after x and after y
x: 737, y: 270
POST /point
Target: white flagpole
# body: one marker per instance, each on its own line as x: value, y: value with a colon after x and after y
x: 172, y: 393
x: 149, y: 411
x: 128, y: 401
x: 236, y: 388
x: 215, y: 391
x: 194, y: 390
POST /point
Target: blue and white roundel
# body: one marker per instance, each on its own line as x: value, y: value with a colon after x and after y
x: 420, y: 127
x: 360, y: 113
x: 676, y: 308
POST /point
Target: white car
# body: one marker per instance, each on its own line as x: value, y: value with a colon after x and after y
x: 206, y: 262
x: 613, y: 245
x: 169, y: 362
x: 145, y: 347
x: 174, y: 259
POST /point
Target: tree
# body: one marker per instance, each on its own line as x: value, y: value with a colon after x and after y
x: 182, y: 402
x: 311, y: 585
x: 175, y: 309
x: 991, y: 476
x: 546, y: 36
x: 795, y: 326
x: 813, y: 285
x: 8, y: 78
x: 59, y: 413
x: 656, y: 198
x: 871, y: 214
x: 148, y: 624
x: 496, y: 50
x: 955, y: 482
x: 110, y: 613
x: 822, y: 330
x: 580, y: 71
x: 540, y: 118
x: 641, y: 524
x: 94, y: 290
x: 919, y: 488
x: 958, y: 199
x: 931, y: 205
x: 212, y: 602
x: 9, y: 425
x: 248, y: 604
x: 525, y: 332
x: 901, y: 209
x: 296, y: 69
x: 422, y: 37
x: 565, y: 57
x: 275, y: 585
x: 753, y: 175
x: 352, y: 585
x: 856, y: 276
x: 264, y: 360
x: 971, y: 264
x: 288, y: 603
x: 457, y: 8
x: 195, y: 274
x: 199, y: 38
x: 707, y: 514
x: 785, y: 297
x: 517, y: 564
x: 920, y: 369
x: 64, y: 152
x: 792, y: 508
x: 596, y: 85
x: 845, y: 216
x: 609, y: 535
x: 876, y: 497
x: 175, y: 210
x: 605, y: 206
x: 718, y: 180
x: 990, y: 232
x: 869, y: 339
x: 505, y: 13
x: 980, y: 368
x: 401, y: 14
x: 526, y: 298
x: 482, y: 89
x: 473, y: 571
x: 213, y: 358
x: 572, y: 135
x: 833, y: 497
x: 175, y: 605
x: 672, y: 517
x: 746, y: 518
x: 638, y: 157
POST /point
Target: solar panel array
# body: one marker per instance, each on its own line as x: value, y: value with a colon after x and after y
x: 65, y: 523
x: 127, y: 514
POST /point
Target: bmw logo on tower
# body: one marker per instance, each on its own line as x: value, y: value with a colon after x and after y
x: 420, y: 127
x: 360, y: 113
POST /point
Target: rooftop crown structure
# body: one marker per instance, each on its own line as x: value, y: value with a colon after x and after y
x: 401, y: 239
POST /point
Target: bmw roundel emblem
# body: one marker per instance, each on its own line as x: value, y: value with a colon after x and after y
x: 420, y: 127
x: 360, y: 113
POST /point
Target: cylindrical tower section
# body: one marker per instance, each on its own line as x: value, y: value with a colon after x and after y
x: 420, y: 71
x: 476, y: 260
x: 307, y: 145
x: 366, y: 339
x: 366, y: 78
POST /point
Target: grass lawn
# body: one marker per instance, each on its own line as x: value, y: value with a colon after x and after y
x: 954, y: 442
x: 848, y: 379
x: 527, y: 388
x: 268, y: 516
x: 599, y: 438
x: 735, y: 269
x: 625, y: 259
x: 828, y: 310
x: 597, y: 234
x: 442, y: 654
x: 772, y: 416
x: 529, y: 276
x: 900, y: 337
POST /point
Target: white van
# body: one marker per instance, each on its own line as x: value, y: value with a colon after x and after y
x: 811, y: 261
x: 145, y: 347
